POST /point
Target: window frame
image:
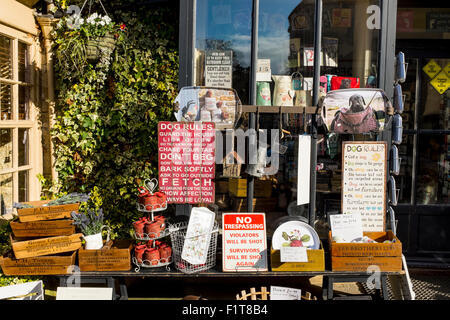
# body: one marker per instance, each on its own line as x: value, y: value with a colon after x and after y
x: 31, y: 124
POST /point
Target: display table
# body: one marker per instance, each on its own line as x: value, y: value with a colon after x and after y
x: 329, y: 278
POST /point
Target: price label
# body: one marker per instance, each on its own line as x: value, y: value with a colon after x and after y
x: 293, y: 254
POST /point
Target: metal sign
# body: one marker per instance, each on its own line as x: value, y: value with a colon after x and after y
x: 432, y: 69
x: 244, y: 242
x: 447, y: 69
x: 441, y: 82
x: 187, y: 161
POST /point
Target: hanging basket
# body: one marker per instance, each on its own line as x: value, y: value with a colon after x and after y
x: 95, y: 46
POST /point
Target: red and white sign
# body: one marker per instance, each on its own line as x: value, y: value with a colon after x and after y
x: 186, y: 161
x: 244, y: 242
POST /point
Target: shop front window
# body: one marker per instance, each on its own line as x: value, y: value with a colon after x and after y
x: 223, y: 45
x: 434, y: 170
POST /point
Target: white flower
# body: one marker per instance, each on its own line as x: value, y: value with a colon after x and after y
x: 107, y: 19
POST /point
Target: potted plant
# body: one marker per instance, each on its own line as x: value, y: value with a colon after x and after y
x: 100, y: 36
x: 91, y: 225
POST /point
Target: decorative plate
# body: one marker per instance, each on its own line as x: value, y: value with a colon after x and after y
x: 295, y: 234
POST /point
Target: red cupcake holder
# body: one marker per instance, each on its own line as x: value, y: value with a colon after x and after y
x: 153, y: 257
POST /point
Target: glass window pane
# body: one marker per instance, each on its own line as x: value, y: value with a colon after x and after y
x: 350, y: 42
x: 224, y: 28
x: 5, y: 149
x: 5, y: 101
x: 5, y: 58
x: 435, y: 106
x: 23, y: 186
x: 409, y: 92
x: 23, y: 147
x: 24, y: 102
x: 422, y: 23
x: 24, y: 69
x: 433, y: 170
x: 6, y: 193
x: 404, y: 179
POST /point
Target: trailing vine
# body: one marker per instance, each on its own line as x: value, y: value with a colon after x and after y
x: 107, y: 111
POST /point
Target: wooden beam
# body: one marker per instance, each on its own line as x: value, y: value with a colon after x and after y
x: 276, y: 109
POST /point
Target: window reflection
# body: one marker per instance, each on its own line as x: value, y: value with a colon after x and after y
x: 225, y: 27
x: 432, y: 178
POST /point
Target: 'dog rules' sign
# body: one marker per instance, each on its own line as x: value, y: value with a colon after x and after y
x: 186, y: 161
x: 244, y: 242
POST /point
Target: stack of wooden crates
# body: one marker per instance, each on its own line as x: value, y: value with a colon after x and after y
x: 262, y: 201
x: 44, y: 241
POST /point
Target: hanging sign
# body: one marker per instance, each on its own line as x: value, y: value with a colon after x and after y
x: 219, y: 69
x: 447, y: 69
x: 244, y: 242
x: 441, y: 82
x: 304, y: 169
x: 364, y: 182
x: 186, y: 152
x: 263, y: 70
x: 432, y: 69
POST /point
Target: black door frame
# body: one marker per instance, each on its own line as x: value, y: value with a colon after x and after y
x: 413, y: 211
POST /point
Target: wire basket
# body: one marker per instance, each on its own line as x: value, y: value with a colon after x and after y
x: 178, y: 236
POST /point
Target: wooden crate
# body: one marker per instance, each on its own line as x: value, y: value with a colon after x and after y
x: 316, y: 261
x: 359, y: 256
x: 238, y: 188
x: 259, y: 204
x: 48, y: 265
x: 263, y: 188
x: 45, y: 246
x: 221, y: 187
x: 40, y: 213
x: 114, y: 258
x: 49, y: 228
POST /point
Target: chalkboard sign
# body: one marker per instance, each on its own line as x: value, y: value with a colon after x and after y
x: 364, y: 182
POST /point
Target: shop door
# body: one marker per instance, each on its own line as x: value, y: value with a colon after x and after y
x: 424, y: 208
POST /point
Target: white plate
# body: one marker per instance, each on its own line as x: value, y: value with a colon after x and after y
x: 295, y: 230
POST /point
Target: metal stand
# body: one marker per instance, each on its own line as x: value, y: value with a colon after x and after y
x: 329, y: 280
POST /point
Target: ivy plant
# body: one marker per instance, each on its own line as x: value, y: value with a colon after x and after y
x: 105, y: 131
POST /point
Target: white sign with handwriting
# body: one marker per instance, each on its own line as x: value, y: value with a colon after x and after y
x: 293, y: 254
x: 284, y: 293
x: 346, y: 227
x: 364, y: 182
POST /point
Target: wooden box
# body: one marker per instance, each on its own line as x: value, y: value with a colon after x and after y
x: 259, y: 204
x: 221, y: 187
x: 49, y: 228
x: 316, y: 261
x: 40, y: 213
x: 45, y: 246
x: 114, y: 258
x: 263, y: 188
x: 48, y: 265
x: 238, y: 188
x: 359, y: 256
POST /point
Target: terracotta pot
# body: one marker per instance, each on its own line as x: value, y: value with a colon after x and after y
x: 161, y: 220
x: 139, y: 251
x: 153, y: 201
x: 139, y: 227
x: 165, y: 253
x: 152, y: 256
x: 153, y: 229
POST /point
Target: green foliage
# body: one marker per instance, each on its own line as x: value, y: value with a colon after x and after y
x: 105, y: 132
x: 7, y: 281
x: 5, y: 231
